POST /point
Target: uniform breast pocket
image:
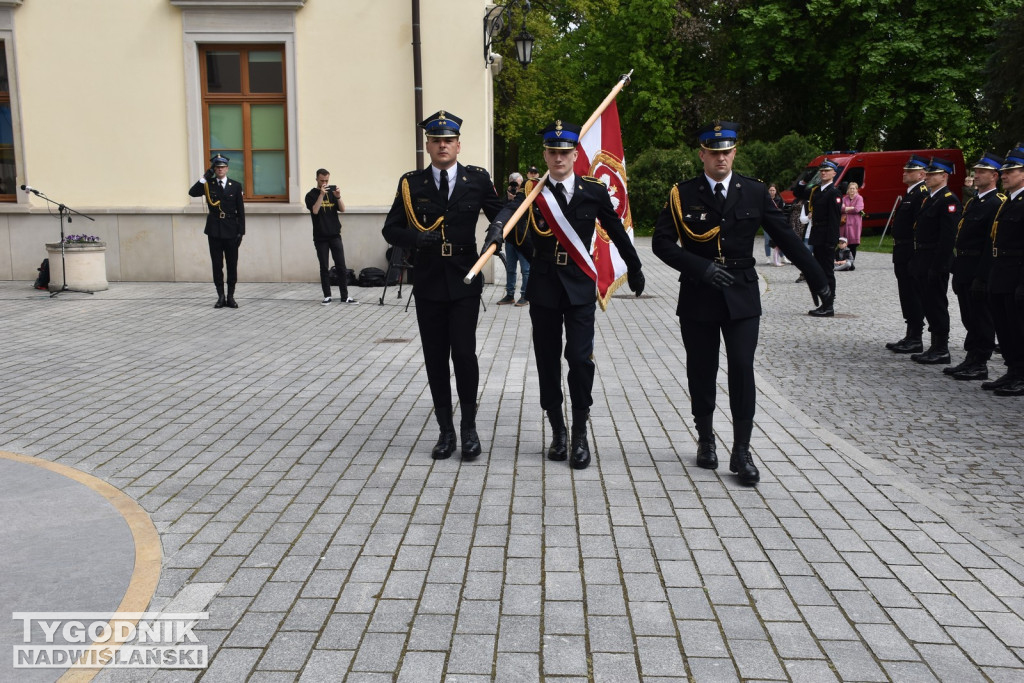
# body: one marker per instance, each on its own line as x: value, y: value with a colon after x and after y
x: 748, y: 214
x: 469, y: 206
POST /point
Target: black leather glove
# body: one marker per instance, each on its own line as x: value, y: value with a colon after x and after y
x: 209, y: 175
x: 494, y: 237
x: 717, y: 277
x: 636, y: 281
x: 428, y: 239
x: 240, y: 240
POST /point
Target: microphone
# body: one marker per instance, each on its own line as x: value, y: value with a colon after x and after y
x: 33, y: 190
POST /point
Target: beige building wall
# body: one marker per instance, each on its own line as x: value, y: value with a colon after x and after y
x: 108, y: 122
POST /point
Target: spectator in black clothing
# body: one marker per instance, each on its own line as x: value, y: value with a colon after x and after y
x: 324, y: 203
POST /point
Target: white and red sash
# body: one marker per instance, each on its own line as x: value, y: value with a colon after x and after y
x: 564, y: 232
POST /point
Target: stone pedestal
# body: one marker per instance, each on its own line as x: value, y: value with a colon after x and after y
x: 85, y: 263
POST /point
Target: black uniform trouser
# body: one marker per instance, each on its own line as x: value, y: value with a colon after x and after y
x: 910, y: 302
x: 578, y: 322
x: 224, y: 249
x: 702, y: 340
x: 825, y: 255
x: 448, y: 330
x: 332, y: 248
x: 1009, y: 323
x: 932, y: 288
x: 976, y: 316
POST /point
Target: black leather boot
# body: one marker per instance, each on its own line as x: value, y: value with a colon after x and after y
x: 967, y: 362
x: 445, y: 445
x: 998, y: 383
x: 559, y: 449
x: 742, y: 462
x: 909, y: 335
x: 220, y: 296
x: 231, y: 297
x: 470, y: 439
x: 706, y: 455
x: 910, y: 344
x: 937, y: 353
x: 580, y: 457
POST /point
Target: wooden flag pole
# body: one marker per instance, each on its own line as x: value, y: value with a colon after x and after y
x: 539, y: 185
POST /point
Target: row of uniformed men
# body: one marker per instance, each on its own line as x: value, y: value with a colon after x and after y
x: 706, y: 232
x: 980, y: 244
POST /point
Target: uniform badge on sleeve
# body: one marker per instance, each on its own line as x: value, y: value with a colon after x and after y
x: 951, y: 208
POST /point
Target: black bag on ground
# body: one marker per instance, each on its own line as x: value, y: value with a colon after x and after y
x: 371, y: 277
x: 43, y: 280
x: 332, y: 276
x: 350, y: 278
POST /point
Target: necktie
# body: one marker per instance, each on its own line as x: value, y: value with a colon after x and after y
x: 720, y: 196
x: 560, y: 196
x: 443, y: 189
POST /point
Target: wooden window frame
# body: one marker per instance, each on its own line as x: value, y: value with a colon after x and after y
x: 246, y: 99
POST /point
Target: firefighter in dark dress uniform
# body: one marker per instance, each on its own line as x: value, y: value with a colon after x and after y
x: 971, y: 267
x: 824, y: 207
x: 435, y: 212
x: 707, y: 232
x: 560, y: 291
x: 1006, y: 279
x: 225, y: 225
x: 903, y: 251
x: 934, y: 236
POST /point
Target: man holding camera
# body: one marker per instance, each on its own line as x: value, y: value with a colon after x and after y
x: 325, y: 204
x: 435, y: 212
x: 225, y: 224
x: 516, y: 251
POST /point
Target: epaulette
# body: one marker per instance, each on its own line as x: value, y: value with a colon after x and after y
x: 747, y: 177
x: 592, y: 179
x: 406, y: 175
x: 477, y: 169
x: 922, y: 188
x: 948, y: 194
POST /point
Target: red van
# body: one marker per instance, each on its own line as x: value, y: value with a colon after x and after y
x: 880, y: 177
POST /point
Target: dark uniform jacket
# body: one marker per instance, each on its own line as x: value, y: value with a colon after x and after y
x: 552, y: 270
x: 935, y: 233
x: 903, y: 223
x: 226, y: 217
x: 826, y: 210
x: 685, y: 238
x: 974, y: 240
x: 1008, y: 247
x: 417, y: 206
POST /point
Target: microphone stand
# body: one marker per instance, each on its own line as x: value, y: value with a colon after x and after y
x: 63, y: 211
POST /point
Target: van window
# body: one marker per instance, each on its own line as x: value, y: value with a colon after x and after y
x: 854, y: 175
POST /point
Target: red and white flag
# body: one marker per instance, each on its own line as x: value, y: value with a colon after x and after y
x: 601, y: 156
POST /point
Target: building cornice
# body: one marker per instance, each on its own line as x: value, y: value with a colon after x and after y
x: 246, y: 5
x: 10, y: 3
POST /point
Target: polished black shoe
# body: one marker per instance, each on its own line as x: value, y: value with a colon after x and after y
x: 742, y: 463
x: 892, y: 345
x: 909, y: 346
x: 220, y: 302
x: 822, y: 312
x: 972, y: 372
x: 932, y: 357
x: 999, y: 382
x: 953, y: 369
x: 445, y: 445
x: 1015, y: 388
x: 230, y: 302
x: 559, y: 449
x: 470, y: 443
x: 707, y: 458
x: 580, y: 457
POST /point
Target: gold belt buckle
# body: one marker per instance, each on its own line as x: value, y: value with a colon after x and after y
x: 223, y: 215
x: 995, y: 252
x: 561, y: 258
x: 720, y: 259
x: 446, y: 249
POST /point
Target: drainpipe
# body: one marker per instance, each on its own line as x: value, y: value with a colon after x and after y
x: 417, y: 76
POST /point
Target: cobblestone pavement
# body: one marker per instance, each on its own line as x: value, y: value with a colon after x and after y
x: 951, y: 438
x: 282, y: 451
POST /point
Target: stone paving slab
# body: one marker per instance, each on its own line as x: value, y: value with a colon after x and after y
x: 283, y: 451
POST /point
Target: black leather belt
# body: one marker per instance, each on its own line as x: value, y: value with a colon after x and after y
x: 559, y: 257
x: 1008, y: 253
x: 449, y: 249
x: 968, y: 252
x: 736, y: 263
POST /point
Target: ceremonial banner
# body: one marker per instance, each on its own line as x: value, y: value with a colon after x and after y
x: 601, y: 156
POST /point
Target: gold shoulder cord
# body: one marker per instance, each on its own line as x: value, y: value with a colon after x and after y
x: 995, y: 222
x: 531, y: 219
x: 963, y: 215
x: 681, y: 226
x: 410, y: 215
x: 209, y: 200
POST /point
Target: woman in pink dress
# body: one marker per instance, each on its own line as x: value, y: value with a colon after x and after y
x: 853, y: 205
